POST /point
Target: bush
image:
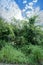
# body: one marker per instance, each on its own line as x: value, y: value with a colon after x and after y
x: 36, y: 56
x: 26, y: 49
x: 2, y: 43
x: 6, y: 31
x: 29, y: 33
x: 8, y: 54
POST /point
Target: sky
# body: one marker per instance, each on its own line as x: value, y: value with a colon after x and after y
x: 22, y: 3
x: 20, y: 8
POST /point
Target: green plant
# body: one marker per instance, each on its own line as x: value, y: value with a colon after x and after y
x: 2, y: 43
x: 8, y: 54
x: 36, y: 56
x: 6, y: 31
x: 26, y: 49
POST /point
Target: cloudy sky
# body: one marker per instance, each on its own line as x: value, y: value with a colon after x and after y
x: 19, y: 8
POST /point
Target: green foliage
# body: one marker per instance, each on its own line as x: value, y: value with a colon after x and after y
x: 36, y: 56
x: 26, y: 49
x: 2, y: 43
x: 6, y: 30
x: 8, y: 54
x: 25, y: 43
x: 29, y: 33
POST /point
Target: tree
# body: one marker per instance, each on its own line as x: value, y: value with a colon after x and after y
x: 6, y: 30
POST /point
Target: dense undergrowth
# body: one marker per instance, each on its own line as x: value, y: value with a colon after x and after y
x: 21, y: 44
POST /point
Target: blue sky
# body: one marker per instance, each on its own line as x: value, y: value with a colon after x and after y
x: 19, y: 8
x: 22, y: 5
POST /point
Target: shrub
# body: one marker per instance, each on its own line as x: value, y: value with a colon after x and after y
x: 8, y: 54
x: 36, y: 56
x: 6, y: 31
x: 29, y: 33
x: 2, y: 43
x: 26, y: 49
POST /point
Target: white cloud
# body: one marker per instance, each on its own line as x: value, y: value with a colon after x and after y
x: 23, y: 10
x: 32, y: 12
x: 40, y: 18
x: 31, y: 4
x: 24, y: 1
x: 9, y: 10
x: 14, y: 11
x: 36, y: 10
x: 28, y: 7
x: 35, y: 1
x: 29, y: 13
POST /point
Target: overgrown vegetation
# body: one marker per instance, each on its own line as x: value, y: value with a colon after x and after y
x: 22, y: 43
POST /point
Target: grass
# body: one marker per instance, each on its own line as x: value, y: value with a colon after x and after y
x: 8, y: 54
x: 31, y: 54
